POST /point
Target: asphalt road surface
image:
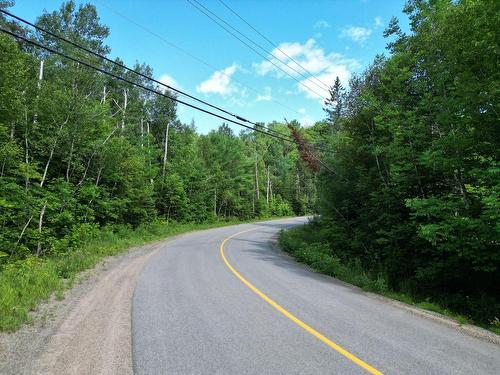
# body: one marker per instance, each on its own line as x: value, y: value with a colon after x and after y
x: 225, y: 301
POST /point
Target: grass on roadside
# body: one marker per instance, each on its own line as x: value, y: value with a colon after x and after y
x: 319, y: 257
x: 25, y: 283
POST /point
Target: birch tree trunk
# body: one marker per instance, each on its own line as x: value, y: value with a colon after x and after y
x: 104, y: 94
x: 39, y: 86
x: 268, y: 186
x: 22, y: 232
x: 92, y: 157
x: 165, y: 151
x: 257, y: 180
x: 125, y: 103
x: 142, y: 132
x: 52, y: 151
x: 26, y: 151
x: 149, y: 153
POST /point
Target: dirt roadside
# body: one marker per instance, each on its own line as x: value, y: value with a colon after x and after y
x: 89, y: 331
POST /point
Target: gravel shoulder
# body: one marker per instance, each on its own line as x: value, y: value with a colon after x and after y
x: 89, y: 331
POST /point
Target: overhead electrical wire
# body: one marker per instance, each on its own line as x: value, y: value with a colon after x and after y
x: 257, y: 44
x: 140, y: 74
x: 261, y: 128
x: 325, y: 85
x: 173, y: 98
x: 189, y: 54
x: 207, y: 14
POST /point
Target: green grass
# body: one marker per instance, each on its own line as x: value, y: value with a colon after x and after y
x: 300, y: 243
x: 25, y: 283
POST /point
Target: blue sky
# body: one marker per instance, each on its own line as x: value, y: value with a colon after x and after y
x: 328, y: 38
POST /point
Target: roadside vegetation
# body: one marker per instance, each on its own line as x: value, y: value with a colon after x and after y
x: 90, y: 165
x: 406, y: 185
x: 299, y: 243
x: 25, y: 283
x: 409, y: 206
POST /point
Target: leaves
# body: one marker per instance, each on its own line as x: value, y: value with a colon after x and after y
x: 417, y: 146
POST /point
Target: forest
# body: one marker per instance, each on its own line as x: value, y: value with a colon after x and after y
x: 81, y: 152
x: 79, y: 148
x: 413, y: 206
x: 403, y: 172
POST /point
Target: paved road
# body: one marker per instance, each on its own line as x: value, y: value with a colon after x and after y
x: 193, y: 313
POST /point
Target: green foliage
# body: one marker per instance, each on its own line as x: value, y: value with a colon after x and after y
x: 319, y: 256
x: 81, y: 149
x: 90, y: 165
x: 22, y: 285
x: 415, y: 150
x: 25, y: 283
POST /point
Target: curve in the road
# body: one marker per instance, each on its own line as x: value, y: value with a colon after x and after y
x: 289, y: 315
x: 191, y: 315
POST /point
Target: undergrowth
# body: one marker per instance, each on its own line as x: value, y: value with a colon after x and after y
x: 27, y: 282
x: 302, y: 243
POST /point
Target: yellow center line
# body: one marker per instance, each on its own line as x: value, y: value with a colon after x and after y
x: 292, y: 317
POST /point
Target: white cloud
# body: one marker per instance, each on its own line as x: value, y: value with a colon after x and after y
x: 219, y: 82
x: 356, y: 33
x: 322, y: 24
x: 302, y: 110
x: 266, y: 97
x: 325, y: 67
x: 169, y: 81
x: 379, y: 22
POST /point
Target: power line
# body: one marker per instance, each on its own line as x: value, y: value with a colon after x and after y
x: 265, y: 130
x: 326, y: 86
x: 173, y: 98
x: 138, y: 73
x: 187, y: 53
x: 255, y: 43
x: 249, y: 46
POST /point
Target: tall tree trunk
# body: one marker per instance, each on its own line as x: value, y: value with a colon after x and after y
x: 26, y: 152
x: 257, y: 180
x: 253, y: 204
x: 125, y: 103
x: 39, y: 86
x: 165, y: 151
x: 461, y: 187
x: 268, y: 186
x: 379, y: 169
x: 142, y: 132
x: 92, y: 157
x: 22, y: 233
x: 47, y: 165
x: 98, y: 178
x: 52, y: 151
x: 151, y: 180
x: 104, y: 94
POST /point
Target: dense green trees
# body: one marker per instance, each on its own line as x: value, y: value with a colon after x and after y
x: 78, y: 148
x: 415, y: 144
x: 409, y: 187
